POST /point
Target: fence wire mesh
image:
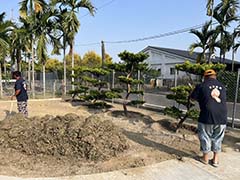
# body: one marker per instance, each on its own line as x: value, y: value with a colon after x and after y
x: 155, y: 87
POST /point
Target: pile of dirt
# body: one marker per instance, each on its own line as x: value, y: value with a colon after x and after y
x: 92, y: 138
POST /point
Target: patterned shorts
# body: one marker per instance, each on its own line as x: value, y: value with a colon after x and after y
x: 211, y: 137
x: 22, y: 107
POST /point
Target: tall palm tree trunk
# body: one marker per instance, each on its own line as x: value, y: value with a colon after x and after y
x: 1, y: 87
x: 29, y: 71
x: 5, y: 68
x: 72, y: 66
x: 44, y: 80
x: 64, y: 71
x: 211, y: 50
x: 233, y: 56
x: 33, y: 71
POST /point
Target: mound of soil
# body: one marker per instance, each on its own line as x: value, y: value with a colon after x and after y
x: 92, y: 138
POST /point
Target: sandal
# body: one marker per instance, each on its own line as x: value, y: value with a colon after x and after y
x: 202, y: 161
x: 214, y: 164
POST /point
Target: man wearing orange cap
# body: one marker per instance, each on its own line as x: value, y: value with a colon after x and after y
x: 211, y: 96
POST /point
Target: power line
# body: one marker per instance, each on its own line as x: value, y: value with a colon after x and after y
x: 160, y: 35
x: 88, y: 44
x: 150, y: 37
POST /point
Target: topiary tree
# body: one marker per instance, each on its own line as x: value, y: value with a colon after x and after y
x: 129, y: 66
x: 181, y: 94
x: 89, y: 86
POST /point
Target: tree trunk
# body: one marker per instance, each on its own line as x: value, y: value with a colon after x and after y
x: 125, y: 100
x: 1, y: 87
x: 64, y: 71
x: 72, y: 65
x: 29, y: 72
x: 5, y: 68
x: 33, y: 71
x: 44, y: 81
x: 233, y: 56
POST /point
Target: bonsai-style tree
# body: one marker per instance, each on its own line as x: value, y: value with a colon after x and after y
x: 90, y: 85
x: 131, y: 64
x: 181, y: 93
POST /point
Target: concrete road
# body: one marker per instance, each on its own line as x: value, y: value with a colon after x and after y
x: 161, y: 101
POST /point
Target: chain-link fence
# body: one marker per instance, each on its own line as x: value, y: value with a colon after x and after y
x: 157, y: 88
x: 53, y: 86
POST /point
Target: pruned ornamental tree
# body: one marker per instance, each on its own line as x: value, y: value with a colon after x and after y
x: 130, y: 67
x: 181, y: 94
x: 89, y: 86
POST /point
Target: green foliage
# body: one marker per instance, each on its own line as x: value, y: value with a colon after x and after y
x: 118, y: 67
x: 129, y: 80
x: 136, y: 92
x: 193, y: 114
x: 197, y: 68
x: 173, y: 111
x: 181, y: 94
x: 91, y: 59
x: 135, y: 102
x: 77, y: 60
x: 112, y: 94
x: 117, y: 90
x: 89, y: 85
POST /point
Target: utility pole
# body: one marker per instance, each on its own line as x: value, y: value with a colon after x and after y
x: 103, y: 53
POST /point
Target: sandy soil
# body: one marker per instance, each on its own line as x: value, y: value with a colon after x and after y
x: 149, y: 135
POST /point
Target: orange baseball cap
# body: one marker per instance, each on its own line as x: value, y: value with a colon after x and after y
x: 209, y: 72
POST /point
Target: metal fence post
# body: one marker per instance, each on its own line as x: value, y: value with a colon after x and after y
x: 138, y: 88
x: 113, y: 82
x: 235, y: 99
x: 175, y: 78
x: 175, y: 84
x: 54, y: 88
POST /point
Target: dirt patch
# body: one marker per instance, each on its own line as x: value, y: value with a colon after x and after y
x: 63, y: 144
x: 172, y: 126
x: 73, y: 136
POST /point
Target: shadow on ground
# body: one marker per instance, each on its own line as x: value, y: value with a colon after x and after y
x: 133, y: 117
x: 8, y: 113
x: 141, y: 139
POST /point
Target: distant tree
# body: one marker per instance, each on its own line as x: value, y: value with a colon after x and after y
x: 91, y: 59
x: 204, y: 36
x: 5, y: 28
x: 70, y: 23
x: 54, y: 65
x: 77, y: 60
x: 225, y: 13
x: 108, y: 59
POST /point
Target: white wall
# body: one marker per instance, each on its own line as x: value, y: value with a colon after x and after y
x: 165, y: 61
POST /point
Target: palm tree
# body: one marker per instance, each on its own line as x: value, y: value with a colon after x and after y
x: 210, y: 4
x: 5, y: 28
x: 71, y: 23
x: 236, y: 34
x: 225, y: 13
x: 46, y: 33
x: 204, y: 39
x: 28, y: 10
x: 25, y: 33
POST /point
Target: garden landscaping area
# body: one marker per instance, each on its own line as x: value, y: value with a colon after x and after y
x: 66, y: 138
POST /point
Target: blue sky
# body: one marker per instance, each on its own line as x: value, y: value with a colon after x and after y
x: 133, y: 19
